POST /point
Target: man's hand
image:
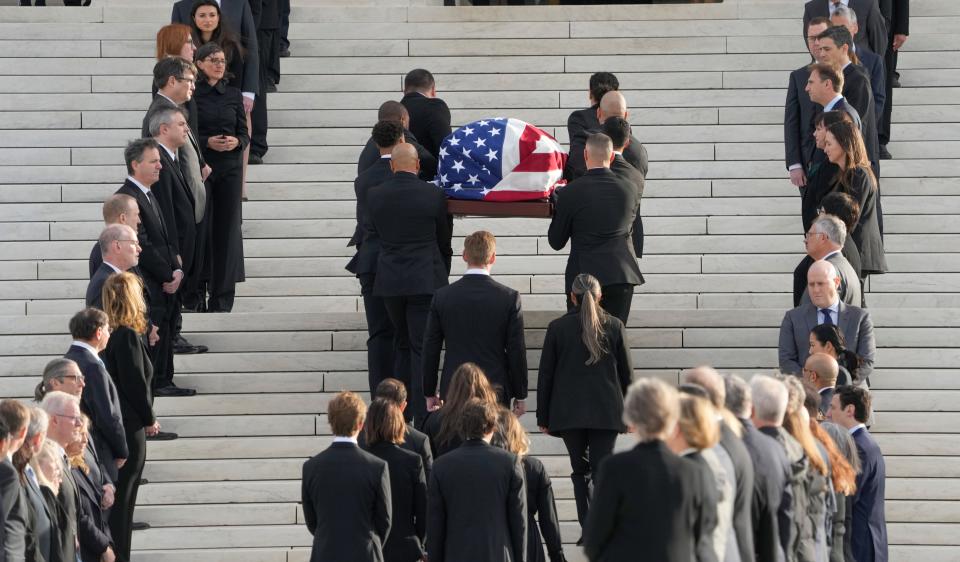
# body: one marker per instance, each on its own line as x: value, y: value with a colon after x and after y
x: 519, y: 407
x: 119, y: 462
x: 898, y: 40
x: 247, y: 104
x: 797, y: 177
x: 205, y: 172
x: 433, y: 403
x: 108, y: 496
x: 154, y: 336
x: 170, y: 287
x: 108, y: 555
x: 544, y: 430
x: 152, y: 430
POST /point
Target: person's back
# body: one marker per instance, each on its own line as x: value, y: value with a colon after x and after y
x: 408, y: 488
x: 771, y: 469
x: 869, y: 520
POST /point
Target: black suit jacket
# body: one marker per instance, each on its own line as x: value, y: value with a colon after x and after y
x: 128, y: 363
x: 742, y: 503
x: 409, y: 216
x: 869, y: 525
x: 239, y: 16
x: 176, y: 205
x: 42, y: 544
x: 580, y: 125
x: 771, y: 471
x: 14, y: 514
x: 158, y: 254
x: 872, y: 63
x: 476, y: 487
x: 648, y: 505
x: 481, y: 322
x: 826, y: 395
x: 574, y: 395
x: 94, y: 530
x: 366, y: 241
x: 541, y: 507
x: 95, y: 287
x: 596, y: 213
x: 858, y: 93
x: 413, y: 440
x: 429, y: 120
x: 101, y: 402
x: 408, y: 496
x: 428, y: 162
x: 162, y: 102
x: 627, y: 171
x: 798, y: 114
x: 346, y: 504
x: 72, y: 519
x: 896, y: 14
x: 873, y: 31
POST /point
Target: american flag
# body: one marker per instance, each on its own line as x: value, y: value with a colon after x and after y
x: 500, y: 160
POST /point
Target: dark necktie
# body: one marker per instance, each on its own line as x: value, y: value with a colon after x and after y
x: 827, y: 318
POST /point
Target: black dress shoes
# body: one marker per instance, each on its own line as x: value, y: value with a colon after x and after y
x: 163, y: 436
x: 173, y: 390
x: 255, y: 159
x: 182, y: 347
x: 284, y: 53
x: 884, y: 153
x: 140, y: 526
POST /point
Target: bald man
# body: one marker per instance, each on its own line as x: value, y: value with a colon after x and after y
x: 612, y: 104
x: 409, y: 217
x: 822, y: 370
x: 394, y: 111
x: 595, y: 213
x: 825, y: 307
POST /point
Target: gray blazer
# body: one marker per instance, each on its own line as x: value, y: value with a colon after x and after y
x: 850, y: 290
x: 854, y: 322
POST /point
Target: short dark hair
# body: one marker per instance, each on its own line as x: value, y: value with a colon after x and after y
x: 15, y: 414
x: 827, y: 118
x: 170, y: 67
x: 478, y: 418
x: 618, y: 129
x: 601, y: 83
x: 819, y: 20
x: 859, y: 397
x: 842, y: 206
x: 839, y: 34
x: 391, y: 389
x: 4, y: 430
x: 827, y: 72
x: 391, y: 111
x: 418, y: 79
x: 387, y: 133
x: 84, y: 324
x: 205, y: 50
x: 135, y: 149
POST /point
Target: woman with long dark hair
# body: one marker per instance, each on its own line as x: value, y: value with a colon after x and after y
x: 822, y: 173
x: 443, y: 425
x: 584, y: 373
x: 827, y: 338
x: 223, y: 136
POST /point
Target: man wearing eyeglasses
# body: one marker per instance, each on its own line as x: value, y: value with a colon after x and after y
x: 65, y: 427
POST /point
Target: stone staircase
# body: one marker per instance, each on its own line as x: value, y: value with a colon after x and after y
x: 706, y: 84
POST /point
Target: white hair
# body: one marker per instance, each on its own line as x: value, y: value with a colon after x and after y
x: 56, y: 401
x: 769, y: 399
x: 39, y: 420
x: 845, y: 12
x: 832, y: 227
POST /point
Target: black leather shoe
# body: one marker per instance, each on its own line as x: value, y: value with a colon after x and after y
x: 284, y: 53
x: 895, y: 83
x: 144, y: 481
x: 255, y: 160
x: 163, y: 436
x: 140, y: 526
x: 174, y: 391
x: 271, y: 87
x: 182, y: 347
x: 884, y: 153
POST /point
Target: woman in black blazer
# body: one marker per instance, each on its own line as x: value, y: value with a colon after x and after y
x: 223, y: 135
x: 383, y: 431
x: 844, y: 147
x: 584, y: 373
x: 94, y: 536
x: 541, y: 506
x: 128, y: 362
x: 443, y: 426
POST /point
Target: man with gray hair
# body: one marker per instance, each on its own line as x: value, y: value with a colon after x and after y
x: 38, y: 541
x: 595, y: 213
x: 65, y: 428
x: 120, y: 251
x: 824, y: 241
x: 825, y: 307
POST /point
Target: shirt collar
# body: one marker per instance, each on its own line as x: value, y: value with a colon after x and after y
x: 345, y: 439
x: 476, y: 271
x: 618, y: 152
x: 86, y: 346
x: 173, y: 155
x: 385, y: 156
x: 113, y: 267
x: 846, y: 65
x: 143, y: 188
x: 830, y: 254
x: 822, y: 390
x: 832, y: 103
x: 159, y: 93
x: 857, y: 428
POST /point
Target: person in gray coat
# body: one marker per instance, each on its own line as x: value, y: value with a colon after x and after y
x: 824, y: 241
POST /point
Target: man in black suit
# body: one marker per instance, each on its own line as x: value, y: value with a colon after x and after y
x: 346, y: 491
x: 413, y: 439
x: 64, y: 429
x: 583, y: 120
x: 870, y: 61
x: 429, y: 115
x: 383, y: 358
x: 873, y: 32
x: 14, y: 510
x: 851, y: 408
x: 612, y: 104
x: 897, y: 16
x: 481, y: 322
x: 409, y: 216
x: 799, y: 111
x: 99, y: 399
x: 266, y: 19
x: 120, y: 252
x: 596, y: 214
x: 159, y: 264
x: 477, y: 486
x: 769, y: 470
x: 395, y: 111
x: 822, y: 370
x: 824, y: 87
x: 730, y: 441
x: 618, y: 129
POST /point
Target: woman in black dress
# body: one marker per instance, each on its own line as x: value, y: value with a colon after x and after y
x: 383, y: 431
x: 223, y: 135
x: 822, y: 172
x: 541, y: 506
x: 128, y: 362
x: 584, y: 373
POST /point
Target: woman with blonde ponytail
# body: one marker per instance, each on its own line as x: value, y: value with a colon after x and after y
x: 585, y: 370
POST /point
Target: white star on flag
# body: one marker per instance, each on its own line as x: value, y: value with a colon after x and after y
x: 480, y: 142
x: 458, y: 166
x: 443, y: 179
x: 491, y: 155
x: 457, y: 187
x: 494, y: 132
x: 473, y: 179
x: 467, y: 131
x: 443, y: 152
x: 484, y: 123
x: 454, y: 141
x: 466, y: 153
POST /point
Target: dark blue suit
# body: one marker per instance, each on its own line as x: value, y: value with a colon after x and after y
x: 873, y: 64
x: 869, y: 528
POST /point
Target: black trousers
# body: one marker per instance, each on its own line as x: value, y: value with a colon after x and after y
x: 587, y: 448
x: 125, y: 498
x: 284, y: 24
x: 890, y: 66
x: 193, y: 292
x: 408, y: 314
x: 268, y: 41
x: 165, y: 315
x: 381, y: 339
x: 226, y: 237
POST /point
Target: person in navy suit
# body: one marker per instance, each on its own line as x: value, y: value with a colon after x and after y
x: 873, y: 33
x: 850, y: 408
x: 870, y: 61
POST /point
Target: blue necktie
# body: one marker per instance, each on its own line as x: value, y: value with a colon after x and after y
x: 827, y: 319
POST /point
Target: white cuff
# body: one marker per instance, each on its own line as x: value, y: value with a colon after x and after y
x: 249, y: 95
x: 793, y: 167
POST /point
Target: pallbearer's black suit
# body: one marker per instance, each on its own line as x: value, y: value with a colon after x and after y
x: 428, y: 162
x: 429, y: 120
x: 408, y: 494
x: 581, y: 124
x: 481, y: 322
x: 346, y: 504
x: 477, y: 506
x: 409, y: 216
x: 596, y: 214
x: 382, y: 356
x: 626, y: 170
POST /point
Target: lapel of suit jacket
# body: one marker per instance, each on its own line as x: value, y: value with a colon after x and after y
x: 810, y: 318
x: 151, y: 209
x: 843, y: 322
